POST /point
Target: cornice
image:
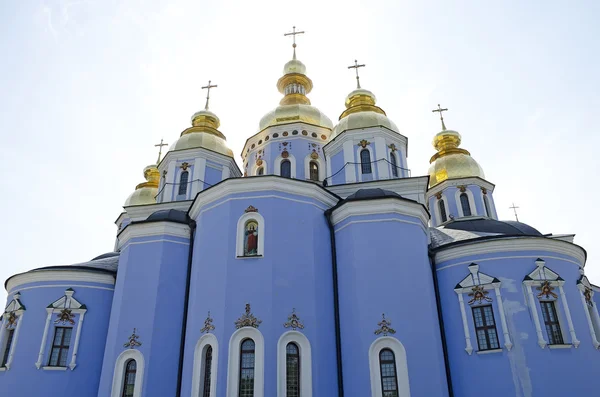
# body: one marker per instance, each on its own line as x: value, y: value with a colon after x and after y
x: 458, y: 182
x: 141, y: 212
x: 160, y: 228
x: 258, y: 184
x: 403, y: 186
x: 359, y: 133
x: 36, y: 276
x: 279, y: 128
x: 521, y: 243
x: 385, y: 205
x: 184, y: 154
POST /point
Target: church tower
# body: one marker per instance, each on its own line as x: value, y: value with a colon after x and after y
x: 366, y: 145
x: 457, y: 184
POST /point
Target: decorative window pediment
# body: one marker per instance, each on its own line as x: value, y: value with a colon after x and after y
x: 477, y: 287
x: 66, y: 311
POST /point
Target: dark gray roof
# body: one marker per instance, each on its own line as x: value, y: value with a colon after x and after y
x: 372, y: 193
x: 169, y: 215
x: 108, y: 262
x: 486, y: 225
x: 107, y: 255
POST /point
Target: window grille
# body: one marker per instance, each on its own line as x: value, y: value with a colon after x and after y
x: 551, y: 321
x: 389, y: 378
x: 207, y: 371
x: 442, y: 208
x: 60, y: 347
x: 183, y: 182
x: 292, y: 370
x: 129, y: 378
x: 485, y: 328
x: 9, y: 338
x: 247, y: 355
x: 464, y: 203
x: 365, y: 161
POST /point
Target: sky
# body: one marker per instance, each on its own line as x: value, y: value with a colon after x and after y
x: 88, y: 87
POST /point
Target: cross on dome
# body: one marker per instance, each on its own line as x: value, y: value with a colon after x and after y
x: 439, y: 109
x: 514, y: 208
x: 355, y: 67
x: 293, y: 33
x: 160, y: 146
x: 208, y: 87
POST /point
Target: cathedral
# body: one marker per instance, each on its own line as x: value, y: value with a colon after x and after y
x: 399, y: 285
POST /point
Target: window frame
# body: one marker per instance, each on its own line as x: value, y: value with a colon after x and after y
x: 465, y: 204
x: 233, y: 364
x: 241, y: 229
x: 61, y: 347
x: 15, y: 307
x: 304, y: 348
x: 403, y: 381
x: 198, y: 385
x: 126, y: 377
x: 242, y: 368
x: 313, y: 173
x: 394, y: 165
x: 441, y: 204
x: 7, y: 341
x: 289, y: 170
x: 395, y: 376
x: 182, y: 188
x: 298, y: 375
x: 119, y: 372
x: 366, y: 167
x: 485, y: 328
x: 554, y: 325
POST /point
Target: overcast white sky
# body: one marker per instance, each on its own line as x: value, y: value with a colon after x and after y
x: 88, y: 87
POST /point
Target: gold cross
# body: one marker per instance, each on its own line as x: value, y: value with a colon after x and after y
x: 208, y: 87
x: 160, y: 146
x: 356, y: 66
x: 514, y: 208
x: 439, y: 109
x: 293, y: 33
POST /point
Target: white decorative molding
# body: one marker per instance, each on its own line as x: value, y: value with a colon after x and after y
x: 536, y: 319
x: 383, y: 167
x: 365, y: 133
x: 280, y: 128
x: 320, y: 164
x: 436, y: 209
x: 233, y: 372
x: 79, y: 275
x: 265, y: 183
x: 388, y: 342
x: 411, y: 188
x: 463, y: 313
x: 277, y: 165
x: 141, y: 212
x: 305, y: 363
x: 241, y: 228
x: 507, y: 342
x: 458, y: 182
x: 514, y: 244
x: 38, y: 363
x: 358, y: 160
x: 174, y: 156
x: 119, y: 372
x: 381, y: 206
x: 262, y: 165
x: 199, y: 360
x: 565, y: 304
x: 17, y: 311
x: 471, y: 199
x: 590, y: 321
x: 147, y: 229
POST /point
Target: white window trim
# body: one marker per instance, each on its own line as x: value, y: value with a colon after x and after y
x: 319, y: 162
x: 199, y: 355
x: 305, y: 363
x: 277, y: 165
x: 256, y: 167
x: 260, y: 249
x: 178, y: 183
x: 359, y: 165
x: 560, y: 301
x: 399, y: 167
x: 13, y: 344
x: 471, y: 198
x: 119, y: 373
x: 491, y: 214
x: 590, y: 320
x: 388, y: 342
x: 233, y: 371
x: 436, y: 206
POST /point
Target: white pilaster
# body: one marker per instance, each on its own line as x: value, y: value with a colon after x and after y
x: 589, y: 319
x: 198, y: 177
x: 383, y: 167
x: 461, y: 302
x: 563, y: 298
x: 225, y: 173
x: 77, y: 336
x: 350, y: 169
x: 536, y: 319
x: 170, y: 181
x: 38, y: 364
x: 14, y: 341
x: 507, y: 342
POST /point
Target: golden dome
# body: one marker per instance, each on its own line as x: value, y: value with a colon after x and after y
x: 450, y: 161
x: 145, y: 192
x: 295, y: 105
x: 203, y: 133
x: 361, y: 112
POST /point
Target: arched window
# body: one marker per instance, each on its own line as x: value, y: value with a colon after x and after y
x: 286, y: 169
x: 129, y: 378
x: 486, y: 203
x: 442, y: 208
x: 389, y: 379
x: 314, y: 171
x: 394, y: 165
x: 246, y: 385
x: 260, y: 171
x: 365, y: 161
x: 251, y: 238
x: 292, y: 358
x: 206, y: 374
x: 464, y: 203
x: 183, y: 182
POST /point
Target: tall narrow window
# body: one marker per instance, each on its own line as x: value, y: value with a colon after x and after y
x: 246, y: 388
x: 314, y: 171
x: 183, y: 182
x: 365, y: 161
x: 394, y: 165
x: 129, y: 379
x: 286, y: 169
x: 60, y: 347
x: 207, y: 371
x: 551, y: 321
x: 485, y: 328
x: 442, y: 208
x: 292, y: 370
x: 260, y: 171
x: 389, y: 379
x: 9, y: 338
x: 486, y: 203
x: 464, y: 203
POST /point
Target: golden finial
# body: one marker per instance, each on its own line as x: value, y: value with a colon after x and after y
x: 160, y: 146
x: 439, y: 109
x: 355, y: 67
x: 208, y: 87
x: 293, y: 33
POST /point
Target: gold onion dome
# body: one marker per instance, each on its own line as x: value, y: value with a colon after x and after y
x: 450, y: 161
x: 295, y: 105
x: 361, y: 112
x: 145, y: 192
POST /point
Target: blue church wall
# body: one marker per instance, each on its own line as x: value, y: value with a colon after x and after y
x: 23, y: 378
x: 149, y: 296
x: 527, y: 369
x: 212, y: 176
x: 449, y: 195
x: 294, y: 273
x: 337, y: 169
x: 392, y: 275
